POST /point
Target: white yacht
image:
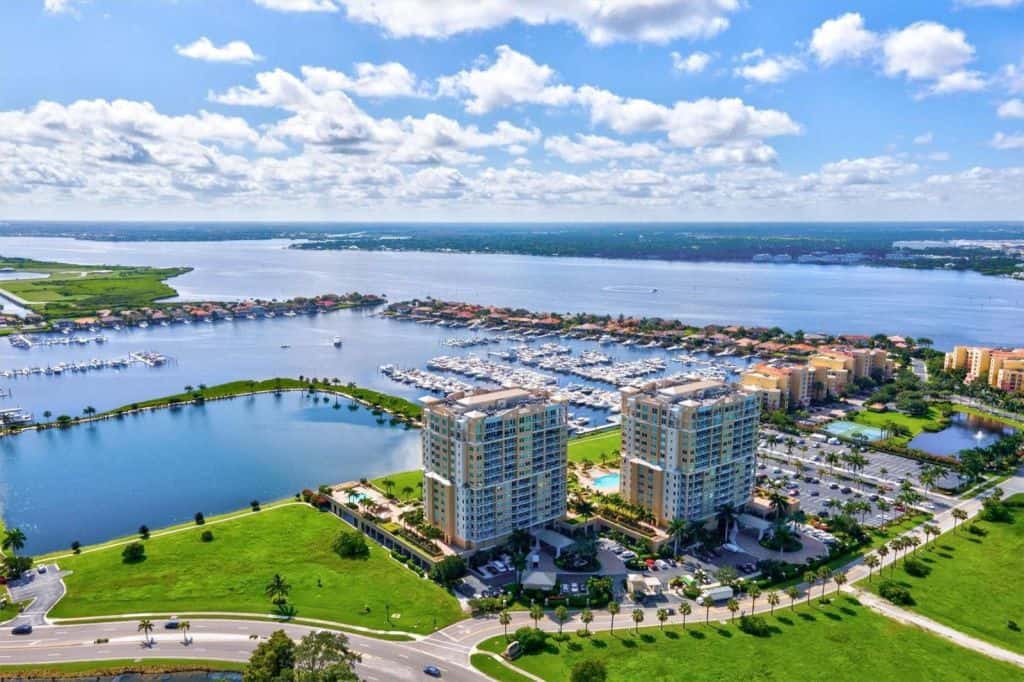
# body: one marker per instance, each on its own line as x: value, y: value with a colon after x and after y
x: 337, y: 342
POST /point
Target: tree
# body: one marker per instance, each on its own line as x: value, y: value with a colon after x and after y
x: 505, y: 618
x: 561, y: 615
x: 277, y: 590
x: 350, y: 544
x: 676, y: 529
x: 662, y: 617
x: 133, y: 553
x: 589, y: 670
x: 839, y: 579
x: 871, y: 561
x: 145, y: 627
x: 638, y: 617
x: 407, y: 491
x: 448, y: 570
x: 958, y: 515
x: 388, y: 485
x: 76, y: 547
x: 325, y: 657
x: 733, y: 607
x: 144, y: 532
x: 707, y: 610
x: 726, y: 515
x: 882, y: 552
x: 754, y: 591
x: 773, y: 600
x: 586, y: 617
x: 792, y: 592
x: 200, y: 518
x: 685, y: 610
x: 613, y: 609
x: 185, y: 626
x: 824, y: 573
x: 536, y: 613
x: 14, y: 540
x: 89, y: 411
x: 272, y: 660
x: 810, y: 577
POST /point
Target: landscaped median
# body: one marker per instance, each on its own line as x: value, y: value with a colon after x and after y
x: 839, y: 641
x: 116, y: 668
x: 180, y: 573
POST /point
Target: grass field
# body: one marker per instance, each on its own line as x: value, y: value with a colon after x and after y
x: 118, y: 667
x: 495, y: 670
x: 181, y: 574
x: 402, y: 479
x: 591, y: 447
x: 840, y: 641
x: 77, y: 290
x: 973, y: 585
x: 933, y: 422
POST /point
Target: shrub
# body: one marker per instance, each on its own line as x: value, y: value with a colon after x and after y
x: 133, y: 553
x: 1012, y: 624
x: 895, y: 593
x: 590, y: 670
x: 448, y: 570
x: 975, y: 529
x: 76, y: 547
x: 200, y: 519
x: 255, y: 504
x: 144, y: 531
x: 691, y: 591
x: 916, y: 567
x: 530, y: 640
x: 206, y: 536
x: 350, y: 544
x: 755, y: 625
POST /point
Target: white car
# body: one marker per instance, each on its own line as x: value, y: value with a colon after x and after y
x: 628, y: 554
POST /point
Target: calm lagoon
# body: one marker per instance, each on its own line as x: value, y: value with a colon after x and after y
x: 964, y: 431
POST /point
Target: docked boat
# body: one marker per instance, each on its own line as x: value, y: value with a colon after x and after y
x: 336, y: 342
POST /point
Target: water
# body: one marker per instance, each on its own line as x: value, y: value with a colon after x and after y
x: 102, y: 480
x: 607, y: 483
x: 964, y: 431
x: 948, y: 307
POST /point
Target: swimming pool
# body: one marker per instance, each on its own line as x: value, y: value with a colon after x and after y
x: 607, y: 483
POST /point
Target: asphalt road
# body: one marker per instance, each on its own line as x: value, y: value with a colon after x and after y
x: 43, y: 589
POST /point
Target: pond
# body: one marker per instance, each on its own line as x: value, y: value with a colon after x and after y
x: 103, y: 480
x: 964, y: 431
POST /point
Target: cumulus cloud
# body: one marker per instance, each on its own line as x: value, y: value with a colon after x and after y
x: 924, y: 138
x: 1013, y: 108
x: 601, y: 21
x: 926, y: 51
x: 842, y: 38
x: 299, y: 5
x: 234, y: 52
x: 591, y: 148
x: 694, y: 62
x: 874, y: 170
x: 769, y: 69
x: 371, y: 80
x: 513, y: 78
x: 1006, y: 141
x: 1002, y: 4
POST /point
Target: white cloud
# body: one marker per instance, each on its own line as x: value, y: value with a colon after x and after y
x: 1013, y: 108
x: 1008, y: 141
x: 958, y: 81
x: 299, y: 5
x: 371, y: 80
x: 926, y: 51
x: 770, y: 69
x: 590, y: 148
x: 513, y: 78
x: 695, y: 62
x: 234, y: 52
x: 1002, y: 4
x: 1012, y: 77
x: 601, y: 21
x: 924, y: 138
x: 61, y: 6
x: 874, y: 170
x: 843, y: 38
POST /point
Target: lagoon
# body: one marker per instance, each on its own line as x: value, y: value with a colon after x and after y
x: 102, y: 480
x: 964, y: 431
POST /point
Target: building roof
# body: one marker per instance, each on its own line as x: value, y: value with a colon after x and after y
x: 553, y: 538
x: 540, y: 580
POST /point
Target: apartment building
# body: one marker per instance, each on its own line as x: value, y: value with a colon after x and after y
x: 780, y: 387
x: 1003, y: 369
x: 493, y: 462
x: 835, y: 368
x: 688, y: 447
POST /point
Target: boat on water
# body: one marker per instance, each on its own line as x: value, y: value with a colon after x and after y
x: 285, y: 345
x: 15, y: 415
x: 337, y: 342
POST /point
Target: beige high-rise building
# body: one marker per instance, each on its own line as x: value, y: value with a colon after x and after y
x: 782, y: 387
x: 836, y: 367
x: 688, y: 448
x: 1002, y: 369
x: 493, y: 462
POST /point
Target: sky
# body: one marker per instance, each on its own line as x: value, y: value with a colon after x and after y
x: 502, y: 110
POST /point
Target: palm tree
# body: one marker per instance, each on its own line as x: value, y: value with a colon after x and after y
x: 613, y: 608
x: 536, y: 613
x: 638, y: 617
x: 810, y: 577
x: 707, y: 610
x: 586, y: 617
x: 388, y: 485
x: 685, y: 610
x: 676, y: 528
x: 561, y: 615
x: 277, y: 589
x: 89, y: 411
x: 754, y: 591
x: 725, y: 516
x: 839, y: 579
x: 958, y: 515
x: 585, y: 509
x: 913, y: 542
x: 778, y: 502
x: 145, y: 627
x: 773, y: 600
x: 185, y: 626
x: 871, y: 561
x: 505, y: 618
x: 824, y: 573
x: 662, y: 617
x: 733, y: 607
x: 407, y: 491
x: 14, y: 540
x: 792, y: 592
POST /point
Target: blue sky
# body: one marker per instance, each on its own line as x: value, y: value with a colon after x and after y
x: 495, y: 110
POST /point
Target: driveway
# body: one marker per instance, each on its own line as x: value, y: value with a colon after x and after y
x: 44, y: 589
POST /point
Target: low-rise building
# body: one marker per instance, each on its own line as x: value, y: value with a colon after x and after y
x: 780, y: 387
x: 999, y: 368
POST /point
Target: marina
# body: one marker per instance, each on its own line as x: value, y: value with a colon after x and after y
x: 147, y: 358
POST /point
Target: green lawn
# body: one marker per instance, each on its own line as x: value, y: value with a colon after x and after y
x: 974, y: 584
x: 591, y: 447
x: 401, y: 480
x: 841, y: 641
x: 77, y: 290
x: 117, y: 667
x: 933, y: 422
x: 495, y: 670
x: 181, y: 574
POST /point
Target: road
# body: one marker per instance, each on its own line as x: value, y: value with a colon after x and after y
x: 449, y: 649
